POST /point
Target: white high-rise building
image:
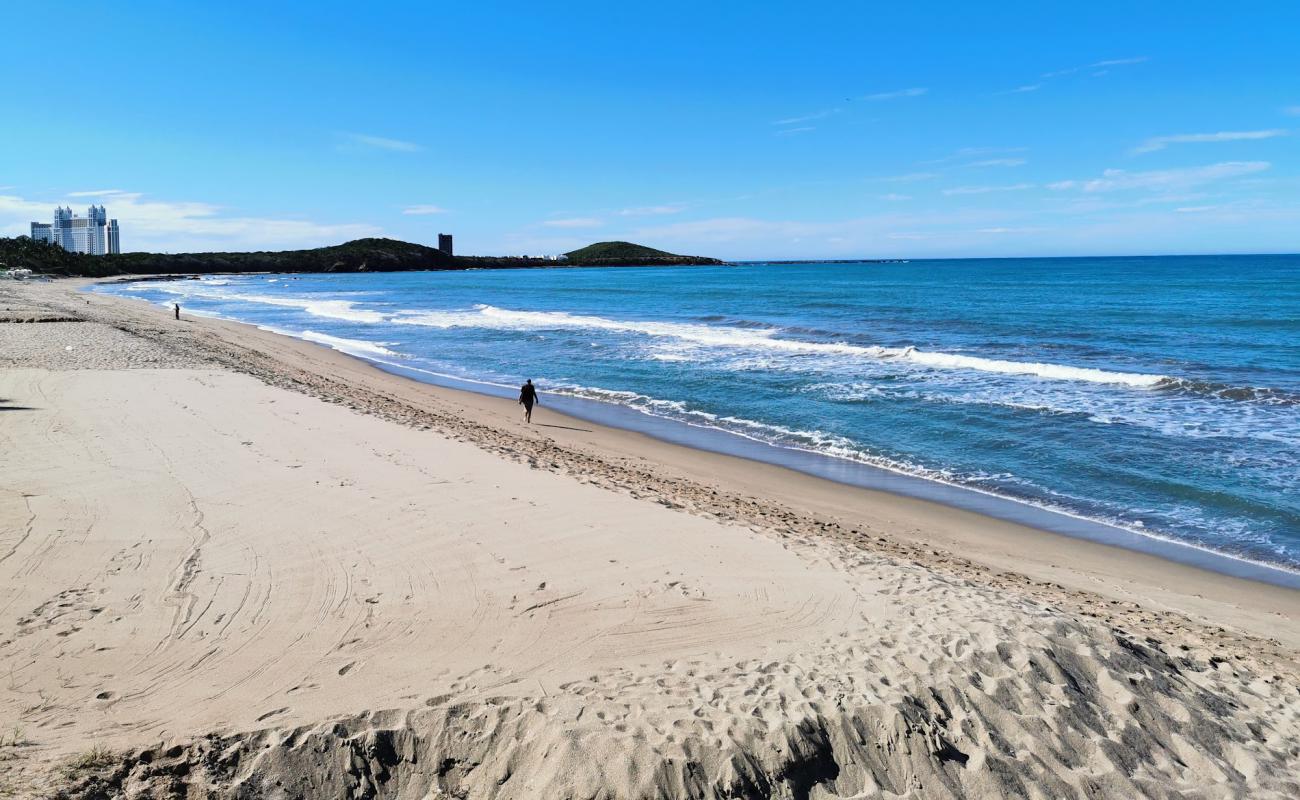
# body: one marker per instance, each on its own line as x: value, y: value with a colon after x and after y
x: 94, y: 234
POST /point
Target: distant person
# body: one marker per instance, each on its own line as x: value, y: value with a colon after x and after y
x: 177, y: 307
x: 528, y: 396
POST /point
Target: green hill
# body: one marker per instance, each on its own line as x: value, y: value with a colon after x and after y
x: 627, y: 253
x: 361, y: 255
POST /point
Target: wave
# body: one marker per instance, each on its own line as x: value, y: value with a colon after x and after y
x: 738, y: 334
x: 355, y: 347
x: 329, y: 309
x: 1004, y: 486
x: 1225, y: 391
x: 486, y: 316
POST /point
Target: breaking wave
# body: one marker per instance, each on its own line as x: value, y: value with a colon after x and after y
x: 350, y: 346
x: 486, y: 316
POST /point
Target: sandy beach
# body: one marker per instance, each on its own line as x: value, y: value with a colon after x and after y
x: 236, y: 564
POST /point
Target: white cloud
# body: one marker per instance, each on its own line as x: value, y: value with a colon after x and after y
x: 910, y: 177
x: 794, y: 131
x: 96, y: 193
x: 1292, y: 111
x: 574, y: 222
x: 157, y: 225
x: 999, y: 162
x: 914, y: 92
x: 1029, y: 87
x: 1194, y: 209
x: 1113, y: 62
x: 1118, y: 62
x: 1006, y: 230
x: 987, y: 189
x: 421, y: 210
x: 761, y: 238
x: 642, y: 211
x: 1118, y: 179
x: 894, y: 197
x: 381, y: 143
x: 808, y: 117
x: 1160, y: 142
x: 974, y: 152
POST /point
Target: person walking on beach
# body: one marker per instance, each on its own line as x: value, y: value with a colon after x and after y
x: 528, y: 396
x: 177, y: 306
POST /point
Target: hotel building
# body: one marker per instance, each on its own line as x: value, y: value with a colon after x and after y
x: 94, y: 234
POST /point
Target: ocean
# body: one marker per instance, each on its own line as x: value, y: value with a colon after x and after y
x: 1159, y: 395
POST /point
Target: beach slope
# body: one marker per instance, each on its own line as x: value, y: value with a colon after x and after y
x: 232, y: 564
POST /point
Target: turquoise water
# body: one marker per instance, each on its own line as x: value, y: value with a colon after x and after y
x: 1158, y: 394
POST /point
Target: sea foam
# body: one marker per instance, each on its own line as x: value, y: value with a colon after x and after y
x: 349, y: 346
x: 491, y: 317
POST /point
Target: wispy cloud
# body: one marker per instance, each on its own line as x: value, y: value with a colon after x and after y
x: 1119, y: 180
x: 1292, y: 111
x: 1161, y: 142
x: 974, y: 152
x: 381, y: 143
x: 1097, y: 69
x: 808, y: 117
x: 909, y: 177
x: 1006, y: 230
x: 1112, y: 62
x: 574, y: 222
x: 999, y: 162
x: 894, y: 197
x: 421, y: 210
x: 914, y: 92
x: 960, y: 190
x: 96, y: 193
x: 642, y: 211
x: 795, y: 131
x: 1029, y: 87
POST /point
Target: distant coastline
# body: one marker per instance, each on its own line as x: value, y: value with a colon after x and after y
x: 360, y: 255
x: 828, y: 261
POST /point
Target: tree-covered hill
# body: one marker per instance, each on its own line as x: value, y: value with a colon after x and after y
x: 627, y: 253
x: 361, y: 255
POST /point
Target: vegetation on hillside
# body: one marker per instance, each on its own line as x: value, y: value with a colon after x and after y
x: 627, y: 253
x: 361, y: 255
x: 42, y: 257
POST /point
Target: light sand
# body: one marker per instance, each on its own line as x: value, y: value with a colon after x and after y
x: 193, y: 542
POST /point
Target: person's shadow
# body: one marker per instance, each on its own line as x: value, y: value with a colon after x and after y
x: 4, y: 406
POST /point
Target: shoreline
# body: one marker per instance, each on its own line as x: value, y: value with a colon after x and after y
x: 236, y: 563
x: 849, y: 473
x: 845, y: 472
x: 1039, y: 554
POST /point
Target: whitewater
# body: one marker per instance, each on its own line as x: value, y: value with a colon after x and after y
x: 1160, y: 395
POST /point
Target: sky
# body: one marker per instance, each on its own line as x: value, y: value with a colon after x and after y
x: 736, y: 130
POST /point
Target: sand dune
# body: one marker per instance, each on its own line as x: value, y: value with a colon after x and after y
x: 250, y: 591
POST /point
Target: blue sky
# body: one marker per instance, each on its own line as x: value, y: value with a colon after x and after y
x: 739, y: 130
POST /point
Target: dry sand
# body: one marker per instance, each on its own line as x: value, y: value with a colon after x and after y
x: 235, y: 564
